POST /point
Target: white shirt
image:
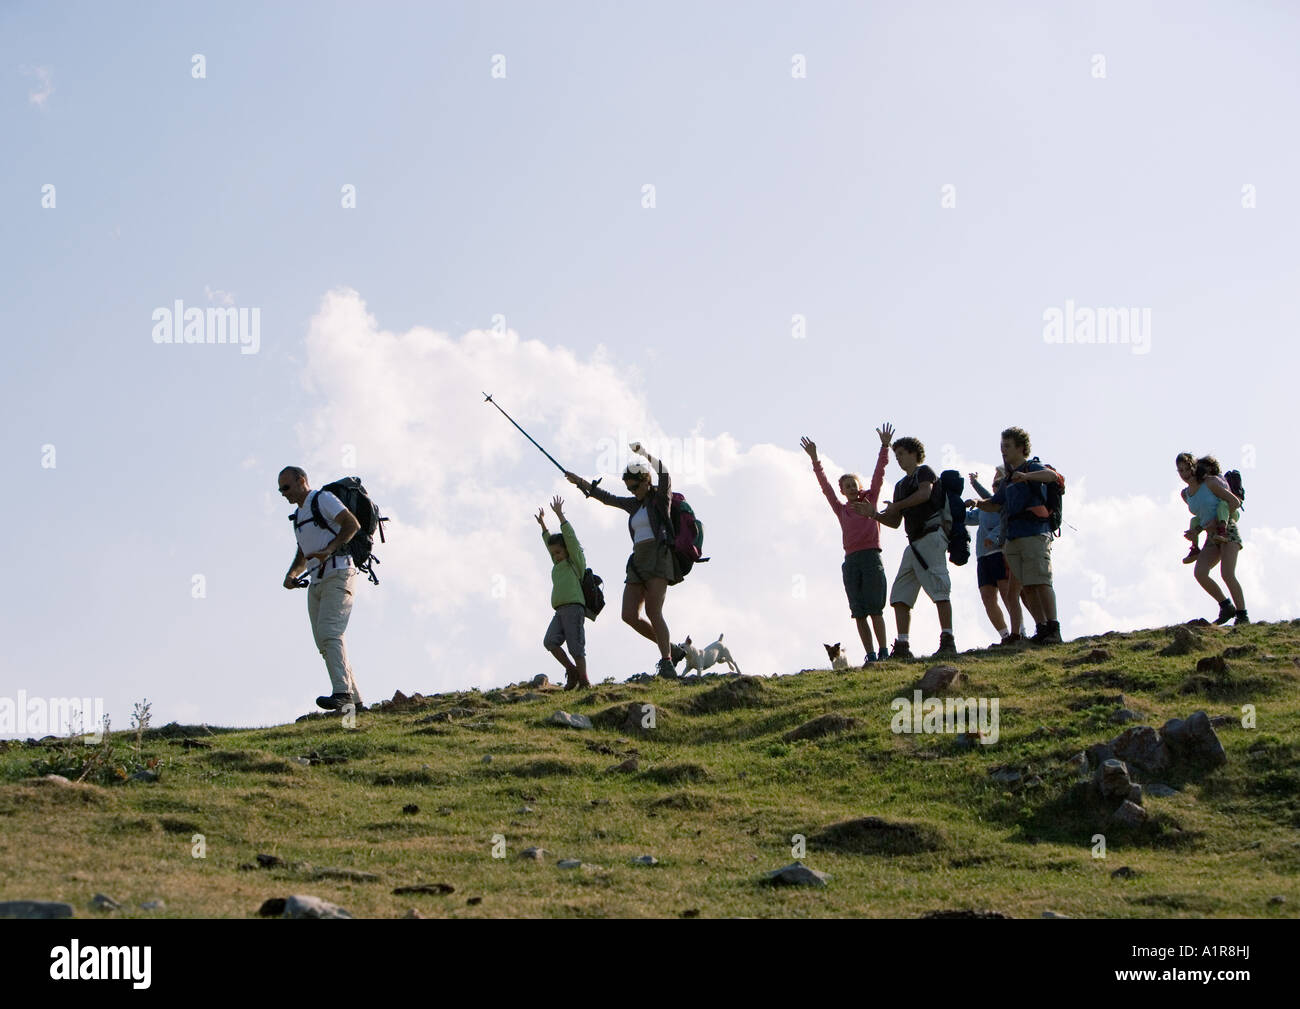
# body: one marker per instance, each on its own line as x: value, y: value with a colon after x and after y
x: 641, y: 530
x: 313, y: 538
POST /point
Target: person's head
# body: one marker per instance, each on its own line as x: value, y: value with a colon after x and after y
x: 1207, y: 465
x: 1186, y: 463
x: 1015, y: 446
x: 293, y: 484
x: 555, y: 544
x: 909, y: 452
x: 636, y: 478
x: 850, y: 485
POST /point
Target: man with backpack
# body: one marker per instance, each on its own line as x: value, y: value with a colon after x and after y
x: 322, y: 551
x: 918, y: 506
x: 1030, y: 499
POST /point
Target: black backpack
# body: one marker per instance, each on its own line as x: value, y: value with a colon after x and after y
x: 355, y: 499
x: 1233, y: 480
x: 1052, y: 494
x: 593, y: 598
x: 953, y: 515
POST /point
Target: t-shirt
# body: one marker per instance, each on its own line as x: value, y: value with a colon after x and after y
x: 641, y: 529
x: 313, y: 538
x: 918, y: 517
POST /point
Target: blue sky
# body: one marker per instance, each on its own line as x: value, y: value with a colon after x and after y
x: 522, y: 198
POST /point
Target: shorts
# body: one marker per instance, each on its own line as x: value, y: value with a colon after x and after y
x: 567, y: 628
x: 990, y: 569
x: 1029, y: 558
x: 912, y: 577
x: 864, y: 583
x: 651, y: 559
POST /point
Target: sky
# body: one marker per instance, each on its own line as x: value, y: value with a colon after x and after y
x: 712, y: 228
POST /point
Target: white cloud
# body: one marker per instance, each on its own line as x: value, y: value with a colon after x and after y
x: 44, y: 86
x: 466, y: 576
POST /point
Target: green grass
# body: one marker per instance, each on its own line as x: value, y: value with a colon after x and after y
x: 717, y: 798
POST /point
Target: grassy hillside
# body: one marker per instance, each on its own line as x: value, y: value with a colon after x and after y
x: 716, y: 797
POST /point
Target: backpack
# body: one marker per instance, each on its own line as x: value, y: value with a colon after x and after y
x: 1233, y: 479
x: 689, y: 543
x: 952, y: 515
x: 355, y: 499
x: 593, y: 598
x: 1052, y: 494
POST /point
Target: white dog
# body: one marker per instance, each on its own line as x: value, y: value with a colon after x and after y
x: 701, y: 659
x: 837, y: 657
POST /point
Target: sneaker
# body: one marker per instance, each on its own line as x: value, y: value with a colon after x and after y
x: 1192, y: 554
x: 869, y: 660
x: 947, y: 645
x: 1226, y: 612
x: 1051, y: 633
x: 664, y: 668
x: 901, y: 650
x: 334, y: 701
x: 1241, y: 618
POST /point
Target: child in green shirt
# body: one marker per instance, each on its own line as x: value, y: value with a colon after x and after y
x: 567, y: 599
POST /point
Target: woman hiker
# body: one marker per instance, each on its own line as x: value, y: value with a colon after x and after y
x: 653, y: 565
x: 1204, y: 491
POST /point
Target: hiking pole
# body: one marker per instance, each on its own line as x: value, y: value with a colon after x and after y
x: 487, y: 398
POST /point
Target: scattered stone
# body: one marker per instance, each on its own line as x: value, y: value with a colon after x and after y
x: 1124, y: 872
x: 302, y: 906
x: 1159, y: 791
x: 1275, y: 900
x: 1141, y: 747
x: 35, y: 909
x: 1053, y: 914
x: 1033, y: 781
x: 1130, y: 814
x: 1212, y: 664
x: 349, y: 875
x: 474, y: 901
x: 412, y: 913
x: 1113, y: 780
x: 103, y: 902
x: 1194, y: 741
x: 303, y: 761
x: 536, y: 854
x: 691, y: 912
x: 569, y: 863
x: 445, y: 811
x: 797, y: 874
x: 524, y: 809
x: 269, y: 861
x: 600, y: 802
x: 1005, y: 776
x: 1078, y: 764
x: 1135, y: 794
x: 1125, y: 715
x: 822, y: 725
x: 487, y: 758
x: 645, y: 860
x: 153, y: 905
x: 938, y: 678
x: 540, y: 680
x: 56, y: 779
x: 145, y: 775
x: 438, y: 888
x: 965, y: 913
x: 410, y: 809
x: 628, y: 765
x: 570, y: 721
x: 1185, y: 641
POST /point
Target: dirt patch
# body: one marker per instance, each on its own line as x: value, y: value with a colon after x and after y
x: 731, y: 695
x: 871, y: 835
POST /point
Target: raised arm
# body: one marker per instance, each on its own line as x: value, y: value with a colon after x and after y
x: 810, y: 446
x: 603, y: 496
x: 878, y: 477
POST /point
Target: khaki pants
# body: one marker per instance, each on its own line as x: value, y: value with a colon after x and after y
x: 329, y: 604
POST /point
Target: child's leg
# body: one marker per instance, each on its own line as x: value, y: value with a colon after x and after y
x: 989, y: 594
x: 864, y: 632
x: 878, y: 623
x: 1221, y: 523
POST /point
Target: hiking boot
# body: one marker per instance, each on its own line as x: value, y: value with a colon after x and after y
x: 883, y: 654
x: 1051, y: 633
x: 664, y: 668
x: 334, y: 701
x: 901, y: 650
x: 569, y: 682
x: 1013, y: 640
x: 869, y: 660
x: 1226, y: 612
x: 1192, y: 554
x: 947, y: 644
x: 1241, y: 618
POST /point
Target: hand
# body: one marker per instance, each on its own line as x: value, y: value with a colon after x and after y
x: 974, y: 477
x: 290, y: 582
x: 886, y: 433
x: 637, y: 447
x: 1019, y: 476
x: 557, y: 506
x: 541, y: 518
x: 970, y: 503
x: 863, y: 508
x: 574, y: 479
x: 321, y: 555
x: 810, y: 447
